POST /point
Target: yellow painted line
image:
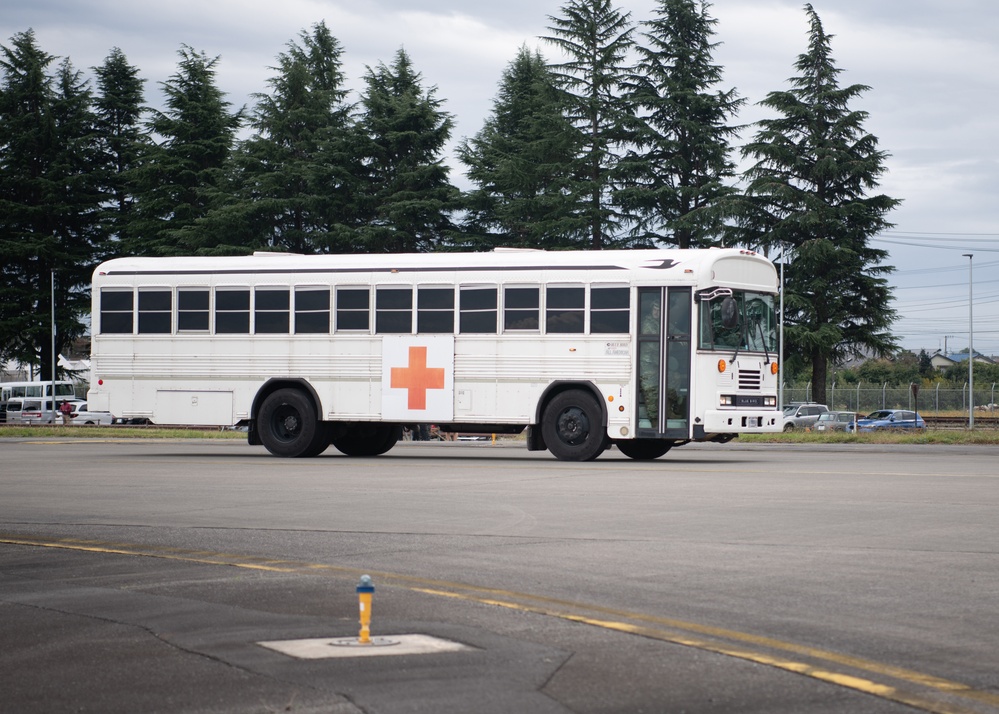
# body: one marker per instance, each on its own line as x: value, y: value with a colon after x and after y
x: 841, y: 679
x: 666, y: 629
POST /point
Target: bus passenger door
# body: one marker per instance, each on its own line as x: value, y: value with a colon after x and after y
x: 664, y: 362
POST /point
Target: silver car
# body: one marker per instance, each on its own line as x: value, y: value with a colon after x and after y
x: 836, y: 421
x: 802, y: 415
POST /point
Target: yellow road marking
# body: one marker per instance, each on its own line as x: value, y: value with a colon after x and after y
x: 666, y: 629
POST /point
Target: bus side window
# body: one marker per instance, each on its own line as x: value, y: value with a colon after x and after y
x: 271, y: 311
x: 393, y: 311
x: 564, y: 309
x: 312, y: 311
x: 232, y: 311
x: 522, y: 308
x: 116, y: 312
x: 352, y: 309
x: 192, y: 310
x: 435, y: 310
x: 155, y: 308
x: 477, y: 310
x: 609, y: 310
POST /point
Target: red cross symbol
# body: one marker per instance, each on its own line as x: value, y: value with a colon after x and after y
x: 417, y: 378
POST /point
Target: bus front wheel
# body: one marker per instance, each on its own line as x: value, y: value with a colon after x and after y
x: 571, y: 427
x: 288, y: 425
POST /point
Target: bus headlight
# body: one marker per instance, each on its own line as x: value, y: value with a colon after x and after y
x: 727, y: 400
x: 769, y: 401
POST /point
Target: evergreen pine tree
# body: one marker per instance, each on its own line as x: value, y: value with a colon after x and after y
x: 181, y: 178
x: 296, y: 177
x: 595, y: 38
x: 49, y: 204
x: 408, y: 198
x: 521, y: 164
x: 808, y: 195
x: 118, y: 106
x: 680, y: 172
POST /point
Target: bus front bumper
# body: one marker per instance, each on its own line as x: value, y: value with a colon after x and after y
x: 742, y: 422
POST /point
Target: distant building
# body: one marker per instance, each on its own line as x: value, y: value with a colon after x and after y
x: 939, y: 360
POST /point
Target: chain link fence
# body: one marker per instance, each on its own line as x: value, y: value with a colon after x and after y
x: 865, y: 397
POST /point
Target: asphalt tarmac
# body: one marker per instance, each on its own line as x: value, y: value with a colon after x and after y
x: 158, y: 576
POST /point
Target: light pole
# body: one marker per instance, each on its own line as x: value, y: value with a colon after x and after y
x: 53, y: 355
x: 971, y: 343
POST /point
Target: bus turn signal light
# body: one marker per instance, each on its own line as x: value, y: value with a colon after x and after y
x: 722, y: 365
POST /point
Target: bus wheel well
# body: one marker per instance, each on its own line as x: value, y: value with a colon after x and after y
x: 535, y: 432
x: 268, y: 388
x: 556, y: 388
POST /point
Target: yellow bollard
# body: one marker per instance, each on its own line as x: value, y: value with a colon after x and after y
x: 365, y: 593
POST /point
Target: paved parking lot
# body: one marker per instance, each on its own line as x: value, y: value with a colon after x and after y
x: 144, y: 576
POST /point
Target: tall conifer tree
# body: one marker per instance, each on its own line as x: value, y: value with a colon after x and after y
x: 296, y: 178
x: 809, y: 194
x: 181, y: 178
x: 118, y: 108
x: 680, y: 172
x: 408, y: 198
x: 595, y: 38
x: 521, y: 162
x: 49, y: 203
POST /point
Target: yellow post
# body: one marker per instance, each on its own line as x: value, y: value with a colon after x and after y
x: 365, y: 593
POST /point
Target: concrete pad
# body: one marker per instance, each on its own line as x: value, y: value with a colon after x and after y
x: 327, y: 648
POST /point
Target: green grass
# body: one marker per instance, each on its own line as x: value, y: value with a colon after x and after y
x: 117, y: 432
x: 932, y: 436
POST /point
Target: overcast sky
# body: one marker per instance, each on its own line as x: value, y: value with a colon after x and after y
x: 933, y: 102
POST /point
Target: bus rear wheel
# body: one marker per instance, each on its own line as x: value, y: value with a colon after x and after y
x: 288, y: 425
x: 571, y: 427
x: 367, y: 439
x: 644, y: 449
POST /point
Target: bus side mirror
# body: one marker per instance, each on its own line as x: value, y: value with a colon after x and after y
x: 729, y: 313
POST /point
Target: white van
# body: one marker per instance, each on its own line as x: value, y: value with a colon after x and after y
x: 35, y: 410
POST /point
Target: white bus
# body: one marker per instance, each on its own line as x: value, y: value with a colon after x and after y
x: 644, y: 349
x: 12, y: 390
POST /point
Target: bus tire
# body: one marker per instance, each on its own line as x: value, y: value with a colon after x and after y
x: 571, y: 427
x: 643, y: 449
x: 288, y: 425
x: 367, y: 439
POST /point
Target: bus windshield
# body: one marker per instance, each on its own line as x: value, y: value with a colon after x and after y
x: 744, y: 321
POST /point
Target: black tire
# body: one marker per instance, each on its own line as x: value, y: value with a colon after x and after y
x: 571, y: 427
x: 644, y: 449
x: 367, y: 439
x: 288, y: 425
x: 789, y: 427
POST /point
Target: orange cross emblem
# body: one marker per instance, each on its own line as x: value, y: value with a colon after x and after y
x: 417, y: 378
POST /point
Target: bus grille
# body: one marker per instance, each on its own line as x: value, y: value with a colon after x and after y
x: 750, y: 379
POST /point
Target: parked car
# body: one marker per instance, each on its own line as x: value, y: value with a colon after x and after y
x: 891, y: 419
x: 802, y: 415
x: 82, y: 415
x: 836, y: 421
x: 35, y: 410
x: 13, y: 411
